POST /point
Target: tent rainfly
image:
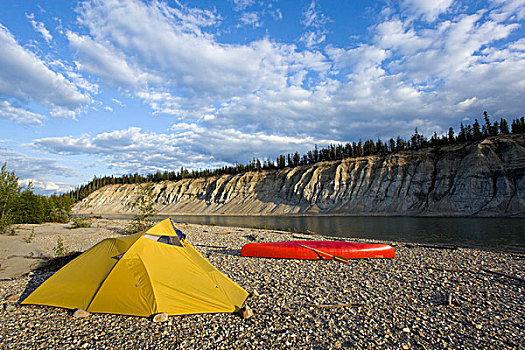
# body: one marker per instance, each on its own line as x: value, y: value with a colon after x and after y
x: 144, y: 274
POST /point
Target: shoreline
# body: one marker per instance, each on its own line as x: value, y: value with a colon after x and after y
x: 268, y: 223
x: 423, y: 298
x: 450, y: 215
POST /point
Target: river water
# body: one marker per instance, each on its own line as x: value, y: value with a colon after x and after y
x: 487, y: 233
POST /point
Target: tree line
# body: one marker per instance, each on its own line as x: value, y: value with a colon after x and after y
x: 467, y: 133
x: 20, y: 205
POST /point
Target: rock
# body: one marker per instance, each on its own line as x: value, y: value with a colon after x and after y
x: 162, y: 317
x: 245, y: 312
x: 9, y: 307
x: 255, y: 293
x: 12, y: 298
x: 406, y: 330
x: 79, y: 313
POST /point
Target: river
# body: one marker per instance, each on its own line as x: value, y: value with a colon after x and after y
x: 487, y: 233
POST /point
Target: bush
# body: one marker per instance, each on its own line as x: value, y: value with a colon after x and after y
x: 59, y: 215
x: 60, y: 249
x: 145, y: 205
x: 80, y: 222
x: 29, y: 238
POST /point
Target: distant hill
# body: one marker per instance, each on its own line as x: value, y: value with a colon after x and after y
x: 479, y: 178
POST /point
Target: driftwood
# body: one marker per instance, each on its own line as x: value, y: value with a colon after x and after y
x: 501, y: 274
x: 27, y: 257
x: 211, y: 246
x: 516, y: 278
x: 433, y: 246
x: 336, y: 305
x: 305, y: 238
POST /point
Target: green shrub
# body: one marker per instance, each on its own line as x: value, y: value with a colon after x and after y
x: 29, y: 238
x: 60, y: 249
x: 80, y: 222
x: 59, y: 215
x: 145, y: 205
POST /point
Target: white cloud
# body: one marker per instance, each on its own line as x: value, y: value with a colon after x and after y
x: 118, y: 102
x: 241, y: 5
x: 427, y: 9
x: 103, y: 61
x: 276, y: 14
x: 192, y: 19
x: 311, y: 39
x: 40, y: 28
x: 508, y: 9
x: 162, y: 102
x: 250, y: 19
x: 186, y: 144
x: 38, y: 170
x: 197, y: 71
x: 393, y: 35
x: 25, y: 78
x: 315, y: 20
x: 406, y: 72
x: 466, y: 103
x: 19, y: 115
x: 47, y: 187
x: 313, y: 17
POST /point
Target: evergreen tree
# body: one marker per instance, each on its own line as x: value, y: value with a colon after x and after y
x: 503, y: 126
x: 476, y: 130
x: 145, y: 206
x: 28, y: 208
x: 9, y: 192
x: 296, y: 159
x: 451, y: 135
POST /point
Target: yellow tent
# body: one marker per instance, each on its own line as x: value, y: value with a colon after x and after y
x: 144, y: 274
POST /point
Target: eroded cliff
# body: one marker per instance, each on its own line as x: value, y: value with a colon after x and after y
x: 486, y: 178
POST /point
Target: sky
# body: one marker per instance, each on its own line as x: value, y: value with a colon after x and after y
x: 111, y: 87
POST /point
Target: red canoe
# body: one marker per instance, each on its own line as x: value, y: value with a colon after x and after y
x: 294, y: 250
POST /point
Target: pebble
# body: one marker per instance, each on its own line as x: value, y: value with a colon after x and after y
x: 162, y: 317
x: 390, y: 295
x: 79, y: 313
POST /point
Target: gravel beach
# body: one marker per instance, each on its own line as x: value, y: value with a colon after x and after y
x: 425, y: 298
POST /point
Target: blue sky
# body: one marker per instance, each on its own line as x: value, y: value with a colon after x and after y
x: 122, y: 86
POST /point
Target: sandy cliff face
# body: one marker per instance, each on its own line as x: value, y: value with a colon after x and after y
x: 484, y: 179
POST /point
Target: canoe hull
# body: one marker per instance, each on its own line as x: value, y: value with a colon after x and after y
x: 293, y: 250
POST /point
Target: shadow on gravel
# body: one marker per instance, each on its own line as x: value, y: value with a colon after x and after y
x: 119, y: 230
x: 46, y: 268
x: 232, y: 252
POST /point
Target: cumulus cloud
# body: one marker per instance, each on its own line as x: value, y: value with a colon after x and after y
x: 508, y: 9
x: 47, y: 187
x: 406, y: 72
x: 185, y: 144
x: 104, y: 62
x: 19, y: 115
x: 38, y: 170
x: 175, y: 70
x: 427, y: 9
x: 25, y: 78
x: 392, y: 34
